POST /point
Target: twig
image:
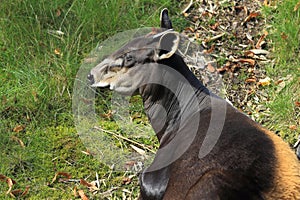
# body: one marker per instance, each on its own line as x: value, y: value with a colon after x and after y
x: 187, y: 7
x: 124, y: 138
x: 108, y: 192
x: 215, y: 37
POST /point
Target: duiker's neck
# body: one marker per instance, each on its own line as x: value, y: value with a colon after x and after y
x: 169, y: 104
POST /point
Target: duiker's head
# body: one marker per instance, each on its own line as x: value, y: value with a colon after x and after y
x: 124, y: 70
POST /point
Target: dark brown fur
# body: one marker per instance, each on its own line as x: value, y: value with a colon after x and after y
x: 247, y: 161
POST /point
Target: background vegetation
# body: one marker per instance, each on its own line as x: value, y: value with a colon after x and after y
x: 42, y: 45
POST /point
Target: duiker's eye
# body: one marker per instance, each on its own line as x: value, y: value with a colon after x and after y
x: 129, y: 60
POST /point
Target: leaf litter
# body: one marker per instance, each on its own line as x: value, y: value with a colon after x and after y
x: 233, y: 32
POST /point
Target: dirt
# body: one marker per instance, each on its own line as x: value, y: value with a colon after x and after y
x: 233, y: 35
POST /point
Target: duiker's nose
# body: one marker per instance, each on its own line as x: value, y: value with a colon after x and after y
x: 91, y: 79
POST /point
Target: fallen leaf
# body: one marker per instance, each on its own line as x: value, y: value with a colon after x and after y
x: 210, y: 68
x: 251, y: 16
x: 242, y: 8
x: 264, y: 82
x: 75, y: 192
x: 19, y: 128
x: 15, y: 193
x: 257, y: 52
x: 293, y: 127
x: 92, y: 186
x: 18, y: 140
x: 126, y: 181
x: 245, y: 60
x: 297, y: 103
x: 189, y: 29
x: 2, y: 177
x: 107, y: 115
x: 85, y: 183
x: 65, y: 174
x: 58, y: 12
x: 280, y: 85
x: 284, y: 36
x: 261, y: 40
x: 297, y: 6
x: 210, y: 50
x: 82, y: 195
x: 10, y: 185
x: 57, y: 52
x: 215, y: 26
x: 25, y: 191
x: 249, y: 54
x: 250, y: 80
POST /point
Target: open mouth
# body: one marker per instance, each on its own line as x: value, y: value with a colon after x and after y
x: 101, y: 84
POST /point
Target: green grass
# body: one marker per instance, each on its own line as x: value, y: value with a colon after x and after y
x: 285, y: 40
x: 42, y: 45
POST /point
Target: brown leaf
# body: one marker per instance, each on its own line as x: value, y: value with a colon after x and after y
x: 186, y: 14
x: 297, y: 103
x: 10, y: 185
x: 58, y: 12
x: 92, y: 186
x: 19, y: 128
x: 189, y: 29
x: 18, y: 140
x: 249, y: 54
x: 246, y: 60
x: 264, y: 82
x: 297, y: 6
x: 224, y: 68
x: 65, y: 174
x: 210, y: 68
x: 251, y: 16
x: 17, y: 192
x: 215, y: 26
x: 284, y: 36
x: 242, y: 8
x: 57, y: 51
x: 210, y: 50
x: 82, y: 195
x: 126, y: 181
x: 25, y: 191
x: 107, y: 115
x: 293, y: 127
x: 2, y: 177
x: 261, y: 40
x: 85, y: 183
x: 75, y: 192
x: 250, y: 80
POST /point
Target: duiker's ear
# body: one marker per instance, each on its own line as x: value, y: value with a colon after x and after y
x: 167, y: 45
x: 165, y: 21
